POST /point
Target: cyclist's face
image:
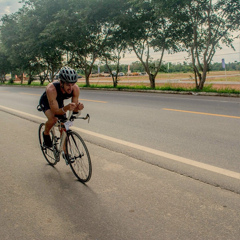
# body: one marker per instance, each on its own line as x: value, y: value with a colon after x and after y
x: 68, y: 87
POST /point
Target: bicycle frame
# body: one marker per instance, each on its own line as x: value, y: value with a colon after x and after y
x: 63, y: 128
x: 63, y: 135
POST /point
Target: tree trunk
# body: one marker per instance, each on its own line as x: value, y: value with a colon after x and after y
x: 21, y: 78
x: 87, y: 73
x: 204, y: 74
x: 87, y: 80
x: 41, y: 80
x: 3, y: 78
x: 115, y: 80
x: 52, y: 76
x: 199, y: 78
x: 30, y: 79
x: 152, y: 80
x: 114, y: 77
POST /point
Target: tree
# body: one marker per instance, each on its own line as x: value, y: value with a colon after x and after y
x: 108, y: 59
x: 12, y: 36
x: 113, y: 49
x: 29, y: 49
x: 5, y: 65
x: 208, y: 24
x: 115, y: 45
x: 136, y: 28
x: 48, y: 58
x: 151, y: 25
x: 81, y: 31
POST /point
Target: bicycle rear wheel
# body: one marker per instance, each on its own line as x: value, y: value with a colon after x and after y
x: 48, y: 153
x: 78, y: 157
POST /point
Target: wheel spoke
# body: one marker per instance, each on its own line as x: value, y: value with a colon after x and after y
x: 77, y: 149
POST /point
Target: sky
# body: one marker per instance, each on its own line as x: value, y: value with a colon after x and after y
x: 11, y: 6
x: 226, y: 53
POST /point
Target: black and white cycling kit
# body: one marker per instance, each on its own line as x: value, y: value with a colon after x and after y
x: 43, y: 102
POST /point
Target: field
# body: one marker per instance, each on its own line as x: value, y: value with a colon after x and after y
x: 217, y: 80
x: 186, y: 80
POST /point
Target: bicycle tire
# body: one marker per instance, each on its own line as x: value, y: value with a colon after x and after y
x: 48, y: 153
x: 80, y: 161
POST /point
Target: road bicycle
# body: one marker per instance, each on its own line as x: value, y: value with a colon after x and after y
x: 70, y: 145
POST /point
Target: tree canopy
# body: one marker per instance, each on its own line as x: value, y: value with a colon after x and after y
x: 47, y: 34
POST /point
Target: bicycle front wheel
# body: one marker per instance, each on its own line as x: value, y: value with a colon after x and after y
x: 78, y: 157
x: 48, y: 153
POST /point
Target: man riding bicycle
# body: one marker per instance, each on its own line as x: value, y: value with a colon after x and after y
x: 51, y: 102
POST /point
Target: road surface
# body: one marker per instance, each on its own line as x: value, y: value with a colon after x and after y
x: 133, y: 193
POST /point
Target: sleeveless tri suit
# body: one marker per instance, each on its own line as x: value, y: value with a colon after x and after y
x: 43, y: 102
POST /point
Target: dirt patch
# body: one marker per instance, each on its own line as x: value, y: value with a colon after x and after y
x: 218, y: 80
x: 191, y: 85
x: 182, y: 85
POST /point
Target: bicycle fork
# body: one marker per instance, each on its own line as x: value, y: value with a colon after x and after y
x: 63, y: 144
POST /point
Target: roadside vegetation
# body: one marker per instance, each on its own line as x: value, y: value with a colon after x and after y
x: 44, y: 35
x: 166, y: 82
x: 166, y: 87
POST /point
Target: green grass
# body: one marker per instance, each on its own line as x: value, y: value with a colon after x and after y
x: 37, y: 84
x: 166, y: 87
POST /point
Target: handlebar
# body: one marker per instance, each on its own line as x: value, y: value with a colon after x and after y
x: 72, y: 116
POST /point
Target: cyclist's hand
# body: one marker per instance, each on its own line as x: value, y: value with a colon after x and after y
x: 80, y: 106
x: 71, y: 106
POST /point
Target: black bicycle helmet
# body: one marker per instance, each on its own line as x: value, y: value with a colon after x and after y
x: 68, y: 75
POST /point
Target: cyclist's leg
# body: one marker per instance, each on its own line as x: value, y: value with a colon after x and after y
x: 51, y: 155
x: 51, y: 120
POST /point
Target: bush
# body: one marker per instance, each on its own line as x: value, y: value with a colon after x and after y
x: 11, y: 81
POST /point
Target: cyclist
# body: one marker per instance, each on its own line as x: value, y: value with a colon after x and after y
x: 51, y: 101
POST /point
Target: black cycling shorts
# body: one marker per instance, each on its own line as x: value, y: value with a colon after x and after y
x: 44, y: 104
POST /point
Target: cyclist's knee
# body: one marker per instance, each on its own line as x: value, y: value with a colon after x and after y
x: 55, y: 119
x: 52, y: 120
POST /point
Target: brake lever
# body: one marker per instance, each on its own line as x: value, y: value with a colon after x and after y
x: 88, y: 117
x: 85, y: 118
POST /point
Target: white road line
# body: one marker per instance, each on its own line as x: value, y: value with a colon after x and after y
x: 172, y: 157
x: 23, y: 113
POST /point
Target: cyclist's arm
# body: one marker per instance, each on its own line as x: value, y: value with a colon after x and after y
x: 76, y: 93
x: 52, y: 100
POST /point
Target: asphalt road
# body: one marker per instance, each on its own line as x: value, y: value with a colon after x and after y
x: 146, y: 183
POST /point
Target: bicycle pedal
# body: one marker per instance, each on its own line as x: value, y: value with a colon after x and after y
x: 65, y: 158
x: 72, y: 160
